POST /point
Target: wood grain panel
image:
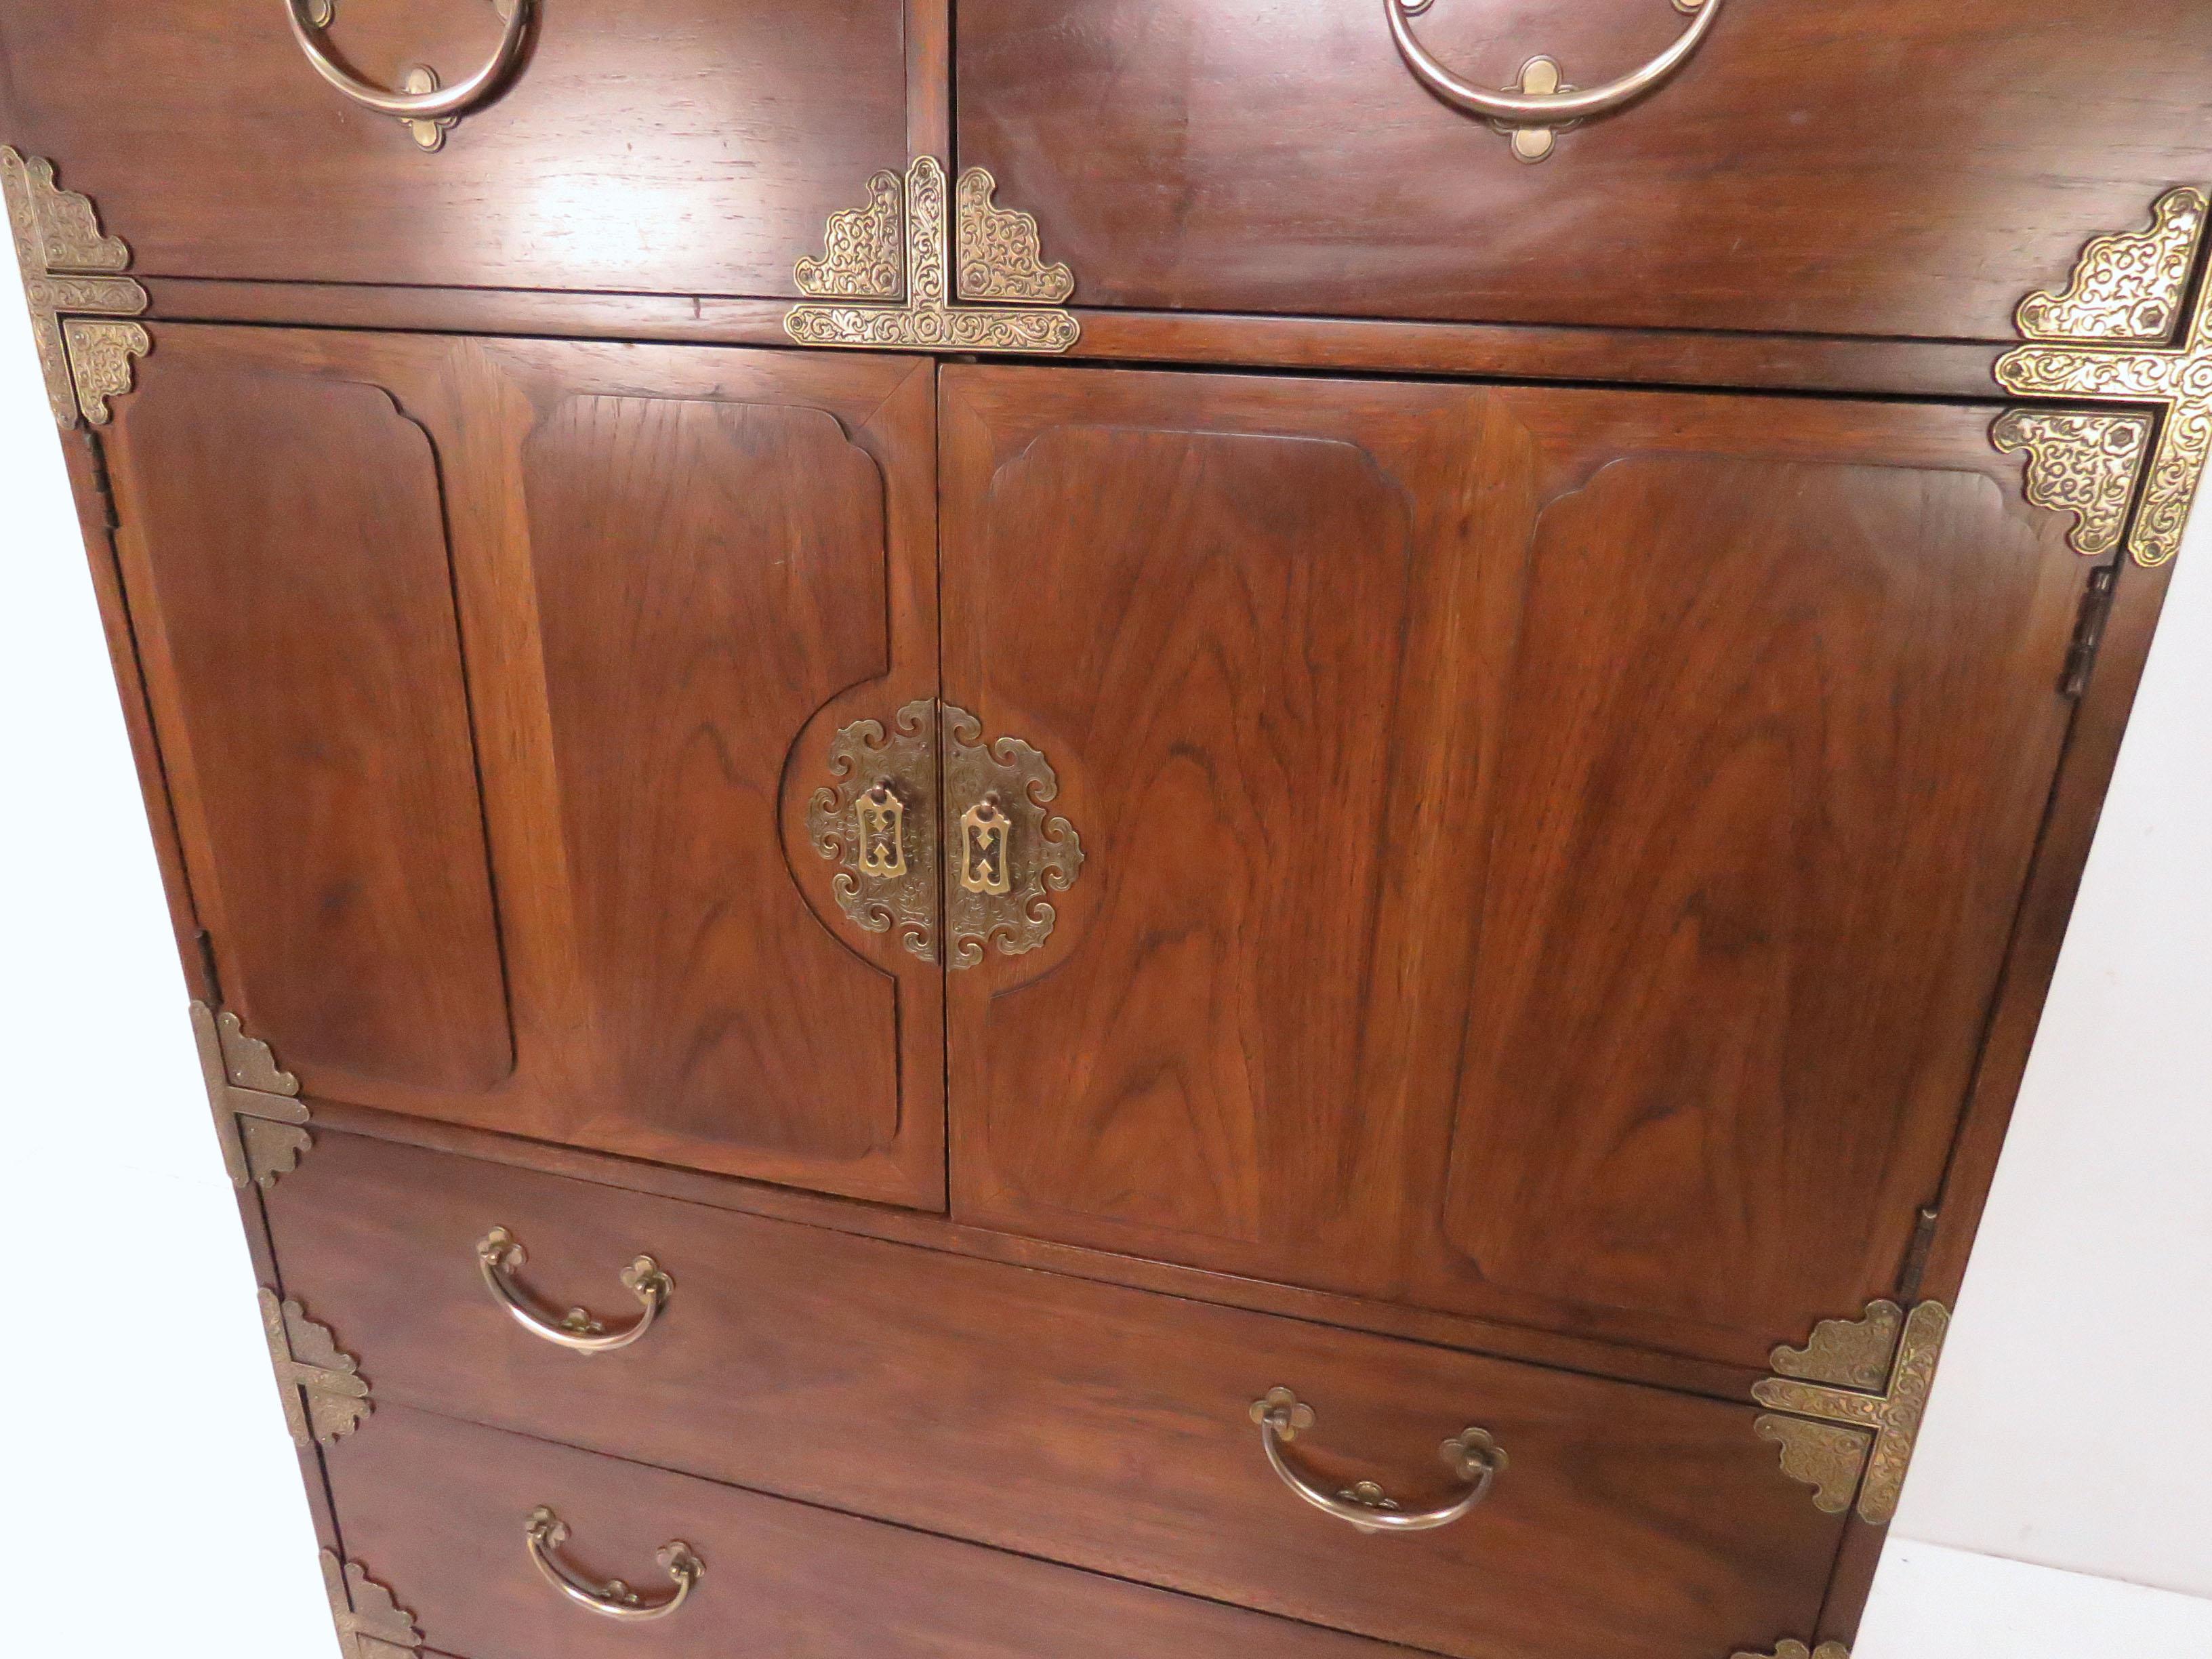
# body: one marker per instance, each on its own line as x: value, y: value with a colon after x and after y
x: 1550, y: 852
x: 436, y: 1508
x: 683, y: 146
x: 1096, y: 1427
x: 1860, y: 167
x: 283, y: 537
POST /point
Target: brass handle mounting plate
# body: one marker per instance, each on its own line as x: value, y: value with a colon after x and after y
x: 500, y: 1256
x: 425, y: 107
x: 543, y: 1532
x: 1473, y: 1457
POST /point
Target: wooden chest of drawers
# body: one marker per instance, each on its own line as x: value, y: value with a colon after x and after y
x: 1237, y: 848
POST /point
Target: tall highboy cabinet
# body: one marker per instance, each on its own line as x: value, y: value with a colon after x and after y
x: 1116, y: 828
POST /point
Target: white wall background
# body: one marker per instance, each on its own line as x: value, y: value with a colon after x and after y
x: 151, y: 1497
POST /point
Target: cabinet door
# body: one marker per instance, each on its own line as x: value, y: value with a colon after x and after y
x: 477, y: 668
x: 1550, y: 853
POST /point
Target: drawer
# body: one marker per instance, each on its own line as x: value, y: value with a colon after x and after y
x: 1090, y: 1424
x: 694, y: 146
x: 1791, y: 176
x: 436, y: 1511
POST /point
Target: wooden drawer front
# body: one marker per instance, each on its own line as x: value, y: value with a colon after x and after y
x: 692, y: 146
x: 1101, y: 1427
x: 434, y: 1510
x: 1791, y: 176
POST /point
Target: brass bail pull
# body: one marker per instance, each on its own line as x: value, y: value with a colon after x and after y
x: 544, y: 1532
x: 500, y: 1256
x: 1474, y: 1459
x: 427, y: 107
x: 1541, y: 103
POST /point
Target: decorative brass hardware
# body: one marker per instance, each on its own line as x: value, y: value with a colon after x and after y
x: 881, y: 821
x: 1011, y: 853
x: 1794, y: 1650
x: 543, y: 1532
x: 325, y: 1395
x: 500, y: 1256
x: 420, y: 105
x: 2122, y: 332
x: 1541, y: 106
x: 258, y: 1112
x: 1473, y: 1456
x: 72, y: 277
x: 888, y: 264
x: 371, y: 1623
x: 1851, y: 1401
x: 847, y: 822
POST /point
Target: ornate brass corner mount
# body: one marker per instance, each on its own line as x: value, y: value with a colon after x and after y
x: 326, y: 1396
x: 258, y: 1116
x: 910, y: 273
x: 1845, y: 1408
x: 371, y: 1623
x: 1794, y: 1650
x: 72, y: 277
x: 981, y: 847
x: 2124, y: 331
x: 1006, y: 853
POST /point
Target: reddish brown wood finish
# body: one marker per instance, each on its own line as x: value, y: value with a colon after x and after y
x: 673, y: 570
x: 435, y: 1509
x: 1499, y: 896
x: 1863, y: 167
x: 1101, y: 1427
x: 671, y: 145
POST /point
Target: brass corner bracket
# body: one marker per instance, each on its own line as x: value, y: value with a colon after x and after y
x: 73, y: 280
x: 929, y: 822
x: 326, y: 1396
x: 258, y: 1116
x: 1845, y: 1408
x: 2126, y: 332
x: 906, y: 272
x: 371, y: 1623
x: 1794, y: 1649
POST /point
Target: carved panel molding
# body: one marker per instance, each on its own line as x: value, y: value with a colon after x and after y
x: 73, y: 280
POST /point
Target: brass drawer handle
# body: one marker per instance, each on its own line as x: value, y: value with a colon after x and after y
x: 427, y: 108
x: 546, y: 1532
x: 1473, y: 1456
x: 1532, y: 112
x: 500, y: 1255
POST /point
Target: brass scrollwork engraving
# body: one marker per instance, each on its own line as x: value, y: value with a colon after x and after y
x: 1845, y: 1408
x: 72, y: 271
x: 886, y: 786
x: 259, y: 1118
x: 1012, y: 853
x: 2085, y: 464
x: 1794, y: 1649
x: 2120, y: 333
x: 906, y: 301
x: 371, y: 1623
x: 325, y: 1395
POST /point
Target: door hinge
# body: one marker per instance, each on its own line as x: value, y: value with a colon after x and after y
x: 2088, y: 631
x: 97, y: 453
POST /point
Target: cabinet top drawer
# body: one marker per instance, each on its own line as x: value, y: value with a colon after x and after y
x: 680, y: 146
x: 1861, y: 166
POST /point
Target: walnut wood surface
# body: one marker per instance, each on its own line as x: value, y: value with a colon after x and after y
x: 1551, y: 853
x: 435, y: 1508
x: 668, y: 145
x: 673, y: 570
x: 1100, y: 1427
x: 1861, y: 166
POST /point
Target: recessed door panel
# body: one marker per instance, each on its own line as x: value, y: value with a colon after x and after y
x: 1549, y: 852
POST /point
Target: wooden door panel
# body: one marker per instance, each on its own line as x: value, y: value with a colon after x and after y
x: 675, y: 572
x: 1550, y: 853
x: 300, y: 617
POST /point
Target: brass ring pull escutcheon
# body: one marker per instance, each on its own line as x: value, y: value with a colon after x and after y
x: 424, y: 105
x: 545, y: 1532
x: 1473, y: 1456
x: 500, y: 1255
x: 1542, y: 102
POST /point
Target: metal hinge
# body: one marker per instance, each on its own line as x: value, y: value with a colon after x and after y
x: 110, y: 520
x: 2088, y: 631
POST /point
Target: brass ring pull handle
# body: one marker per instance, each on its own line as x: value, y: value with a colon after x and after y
x: 427, y: 107
x: 545, y: 1532
x: 1541, y: 103
x: 500, y: 1255
x: 1473, y: 1456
